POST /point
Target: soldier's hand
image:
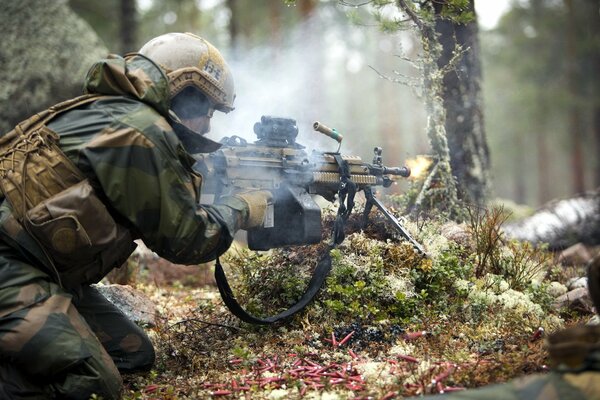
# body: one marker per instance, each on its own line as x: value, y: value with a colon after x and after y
x: 257, y: 202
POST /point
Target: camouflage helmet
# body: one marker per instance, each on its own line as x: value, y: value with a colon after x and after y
x: 190, y: 60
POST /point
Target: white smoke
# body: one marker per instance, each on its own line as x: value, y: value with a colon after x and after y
x: 320, y: 72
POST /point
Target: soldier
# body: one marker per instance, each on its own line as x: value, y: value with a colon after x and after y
x: 575, y: 357
x: 83, y: 179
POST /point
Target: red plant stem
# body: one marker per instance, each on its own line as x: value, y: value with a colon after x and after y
x: 414, y: 335
x: 151, y: 388
x: 356, y: 378
x: 440, y: 387
x: 303, y: 390
x: 312, y: 364
x: 221, y: 392
x: 354, y: 387
x: 443, y: 375
x: 537, y: 334
x: 352, y: 354
x: 346, y: 338
x: 333, y: 340
x: 408, y: 358
x: 389, y: 396
x: 453, y: 388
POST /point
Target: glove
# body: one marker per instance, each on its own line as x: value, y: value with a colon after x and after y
x: 254, y: 209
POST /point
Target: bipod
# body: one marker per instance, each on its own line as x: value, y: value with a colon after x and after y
x: 374, y: 201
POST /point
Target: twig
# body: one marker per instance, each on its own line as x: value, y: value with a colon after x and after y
x: 188, y: 320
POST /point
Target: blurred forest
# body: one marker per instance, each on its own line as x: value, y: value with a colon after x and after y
x: 325, y: 60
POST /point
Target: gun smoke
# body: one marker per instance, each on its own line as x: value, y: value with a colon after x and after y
x: 320, y: 72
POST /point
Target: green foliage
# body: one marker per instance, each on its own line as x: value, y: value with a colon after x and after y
x: 354, y: 17
x: 485, y: 228
x: 475, y: 278
x: 458, y: 11
x: 438, y: 281
x: 359, y: 286
x: 539, y: 294
x: 517, y: 262
x: 256, y: 271
x: 521, y: 262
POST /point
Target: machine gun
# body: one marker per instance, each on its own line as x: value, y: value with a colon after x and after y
x: 276, y: 162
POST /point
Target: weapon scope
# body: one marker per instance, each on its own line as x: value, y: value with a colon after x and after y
x: 276, y: 132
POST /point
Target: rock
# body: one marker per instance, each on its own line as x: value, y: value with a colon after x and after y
x: 46, y: 51
x: 577, y: 254
x: 133, y: 303
x: 146, y: 266
x: 578, y: 283
x: 457, y: 233
x: 595, y: 320
x: 557, y: 289
x: 577, y: 299
x: 561, y: 223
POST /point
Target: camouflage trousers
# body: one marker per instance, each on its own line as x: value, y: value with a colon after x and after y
x: 552, y: 386
x: 56, y: 344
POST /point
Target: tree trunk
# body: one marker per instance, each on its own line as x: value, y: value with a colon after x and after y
x: 541, y: 117
x: 469, y: 153
x: 597, y: 136
x: 275, y: 22
x: 306, y: 7
x: 43, y: 62
x: 390, y: 127
x: 595, y: 62
x: 575, y: 124
x: 128, y: 26
x: 234, y: 26
x: 543, y: 156
x: 517, y: 168
x: 439, y: 191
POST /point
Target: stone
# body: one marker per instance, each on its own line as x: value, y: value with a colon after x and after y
x: 577, y: 254
x: 46, y: 51
x: 133, y: 303
x: 578, y: 283
x: 577, y: 299
x: 457, y: 233
x: 557, y: 289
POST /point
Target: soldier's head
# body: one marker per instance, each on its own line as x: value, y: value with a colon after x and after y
x: 200, y: 80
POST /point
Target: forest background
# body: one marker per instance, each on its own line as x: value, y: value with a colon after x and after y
x: 338, y: 62
x: 324, y: 60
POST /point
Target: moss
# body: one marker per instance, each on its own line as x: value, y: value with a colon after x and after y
x: 380, y: 291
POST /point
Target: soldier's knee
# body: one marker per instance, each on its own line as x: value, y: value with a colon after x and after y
x: 135, y: 353
x: 145, y: 357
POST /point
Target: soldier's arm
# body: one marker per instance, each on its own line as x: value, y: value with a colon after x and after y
x: 145, y: 182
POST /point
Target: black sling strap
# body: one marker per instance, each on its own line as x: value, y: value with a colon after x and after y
x: 346, y: 193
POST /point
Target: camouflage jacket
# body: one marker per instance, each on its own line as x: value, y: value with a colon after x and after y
x: 125, y: 143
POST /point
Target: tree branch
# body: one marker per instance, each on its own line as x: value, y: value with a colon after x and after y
x: 411, y: 14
